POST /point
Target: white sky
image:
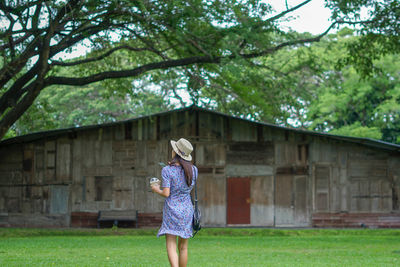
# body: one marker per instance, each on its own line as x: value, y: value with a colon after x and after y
x: 312, y: 17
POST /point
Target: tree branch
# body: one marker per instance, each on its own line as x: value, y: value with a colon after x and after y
x: 13, y: 10
x: 59, y: 63
x: 132, y: 72
x: 11, y: 96
x: 149, y: 43
x: 18, y: 41
x: 287, y: 11
x: 290, y: 43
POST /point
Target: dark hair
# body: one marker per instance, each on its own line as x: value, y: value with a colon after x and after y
x: 187, y: 167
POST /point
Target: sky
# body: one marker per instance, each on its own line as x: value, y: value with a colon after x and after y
x: 312, y: 17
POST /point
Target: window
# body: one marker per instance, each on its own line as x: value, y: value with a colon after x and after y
x: 302, y: 153
x: 104, y: 186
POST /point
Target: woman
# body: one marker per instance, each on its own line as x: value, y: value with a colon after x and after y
x: 178, y: 179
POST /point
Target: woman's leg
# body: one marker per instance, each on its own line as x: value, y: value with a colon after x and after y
x: 183, y: 251
x: 171, y: 250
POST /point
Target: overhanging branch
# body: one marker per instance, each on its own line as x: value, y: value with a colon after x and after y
x: 132, y: 72
x: 290, y: 43
x: 78, y: 62
x: 287, y: 11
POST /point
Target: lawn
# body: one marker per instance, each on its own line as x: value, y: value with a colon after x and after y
x: 211, y: 247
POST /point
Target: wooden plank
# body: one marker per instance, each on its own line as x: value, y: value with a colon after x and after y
x: 321, y: 187
x: 88, y: 150
x: 250, y: 153
x: 214, y: 154
x: 262, y: 201
x: 321, y: 150
x: 334, y: 193
x: 141, y: 193
x: 248, y: 170
x: 375, y: 192
x: 119, y: 132
x: 140, y: 130
x: 165, y: 127
x: 284, y: 202
x: 77, y: 161
x: 322, y: 201
x: 63, y: 161
x: 360, y: 153
x: 103, y: 153
x: 243, y: 131
x: 387, y: 197
x: 211, y: 126
x: 13, y: 204
x: 90, y: 189
x: 293, y: 170
x: 364, y: 200
x: 151, y: 152
x: 285, y: 154
x: 141, y: 156
x: 354, y: 191
x: 300, y: 201
x: 174, y: 129
x: 199, y: 152
x: 370, y: 168
x: 123, y: 199
x: 39, y: 159
x: 212, y: 199
x: 128, y: 127
x: 59, y: 199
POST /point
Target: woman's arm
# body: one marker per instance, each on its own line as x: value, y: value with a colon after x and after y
x: 164, y: 192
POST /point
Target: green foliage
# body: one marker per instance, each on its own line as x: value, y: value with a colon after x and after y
x: 356, y: 129
x: 379, y: 37
x: 11, y: 133
x: 346, y: 104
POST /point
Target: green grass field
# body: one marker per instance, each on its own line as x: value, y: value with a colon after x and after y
x: 211, y: 247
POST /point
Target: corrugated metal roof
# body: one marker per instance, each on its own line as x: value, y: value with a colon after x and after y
x: 51, y: 133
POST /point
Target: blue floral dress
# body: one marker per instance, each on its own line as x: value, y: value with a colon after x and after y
x: 178, y: 207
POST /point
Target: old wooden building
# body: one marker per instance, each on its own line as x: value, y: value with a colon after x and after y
x: 251, y: 173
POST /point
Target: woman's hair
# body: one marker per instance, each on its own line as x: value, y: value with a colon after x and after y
x: 187, y: 167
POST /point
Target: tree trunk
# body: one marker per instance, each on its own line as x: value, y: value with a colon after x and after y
x: 16, y: 112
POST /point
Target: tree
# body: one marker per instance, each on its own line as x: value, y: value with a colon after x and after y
x: 158, y: 35
x: 349, y: 105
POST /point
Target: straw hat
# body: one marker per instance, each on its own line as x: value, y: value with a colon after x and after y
x: 183, y: 148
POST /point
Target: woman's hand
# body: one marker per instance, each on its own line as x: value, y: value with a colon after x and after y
x: 155, y: 188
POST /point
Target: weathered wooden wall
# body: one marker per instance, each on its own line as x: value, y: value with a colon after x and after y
x: 34, y: 184
x: 293, y: 175
x: 352, y: 178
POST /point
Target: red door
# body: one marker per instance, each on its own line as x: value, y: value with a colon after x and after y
x: 238, y: 201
